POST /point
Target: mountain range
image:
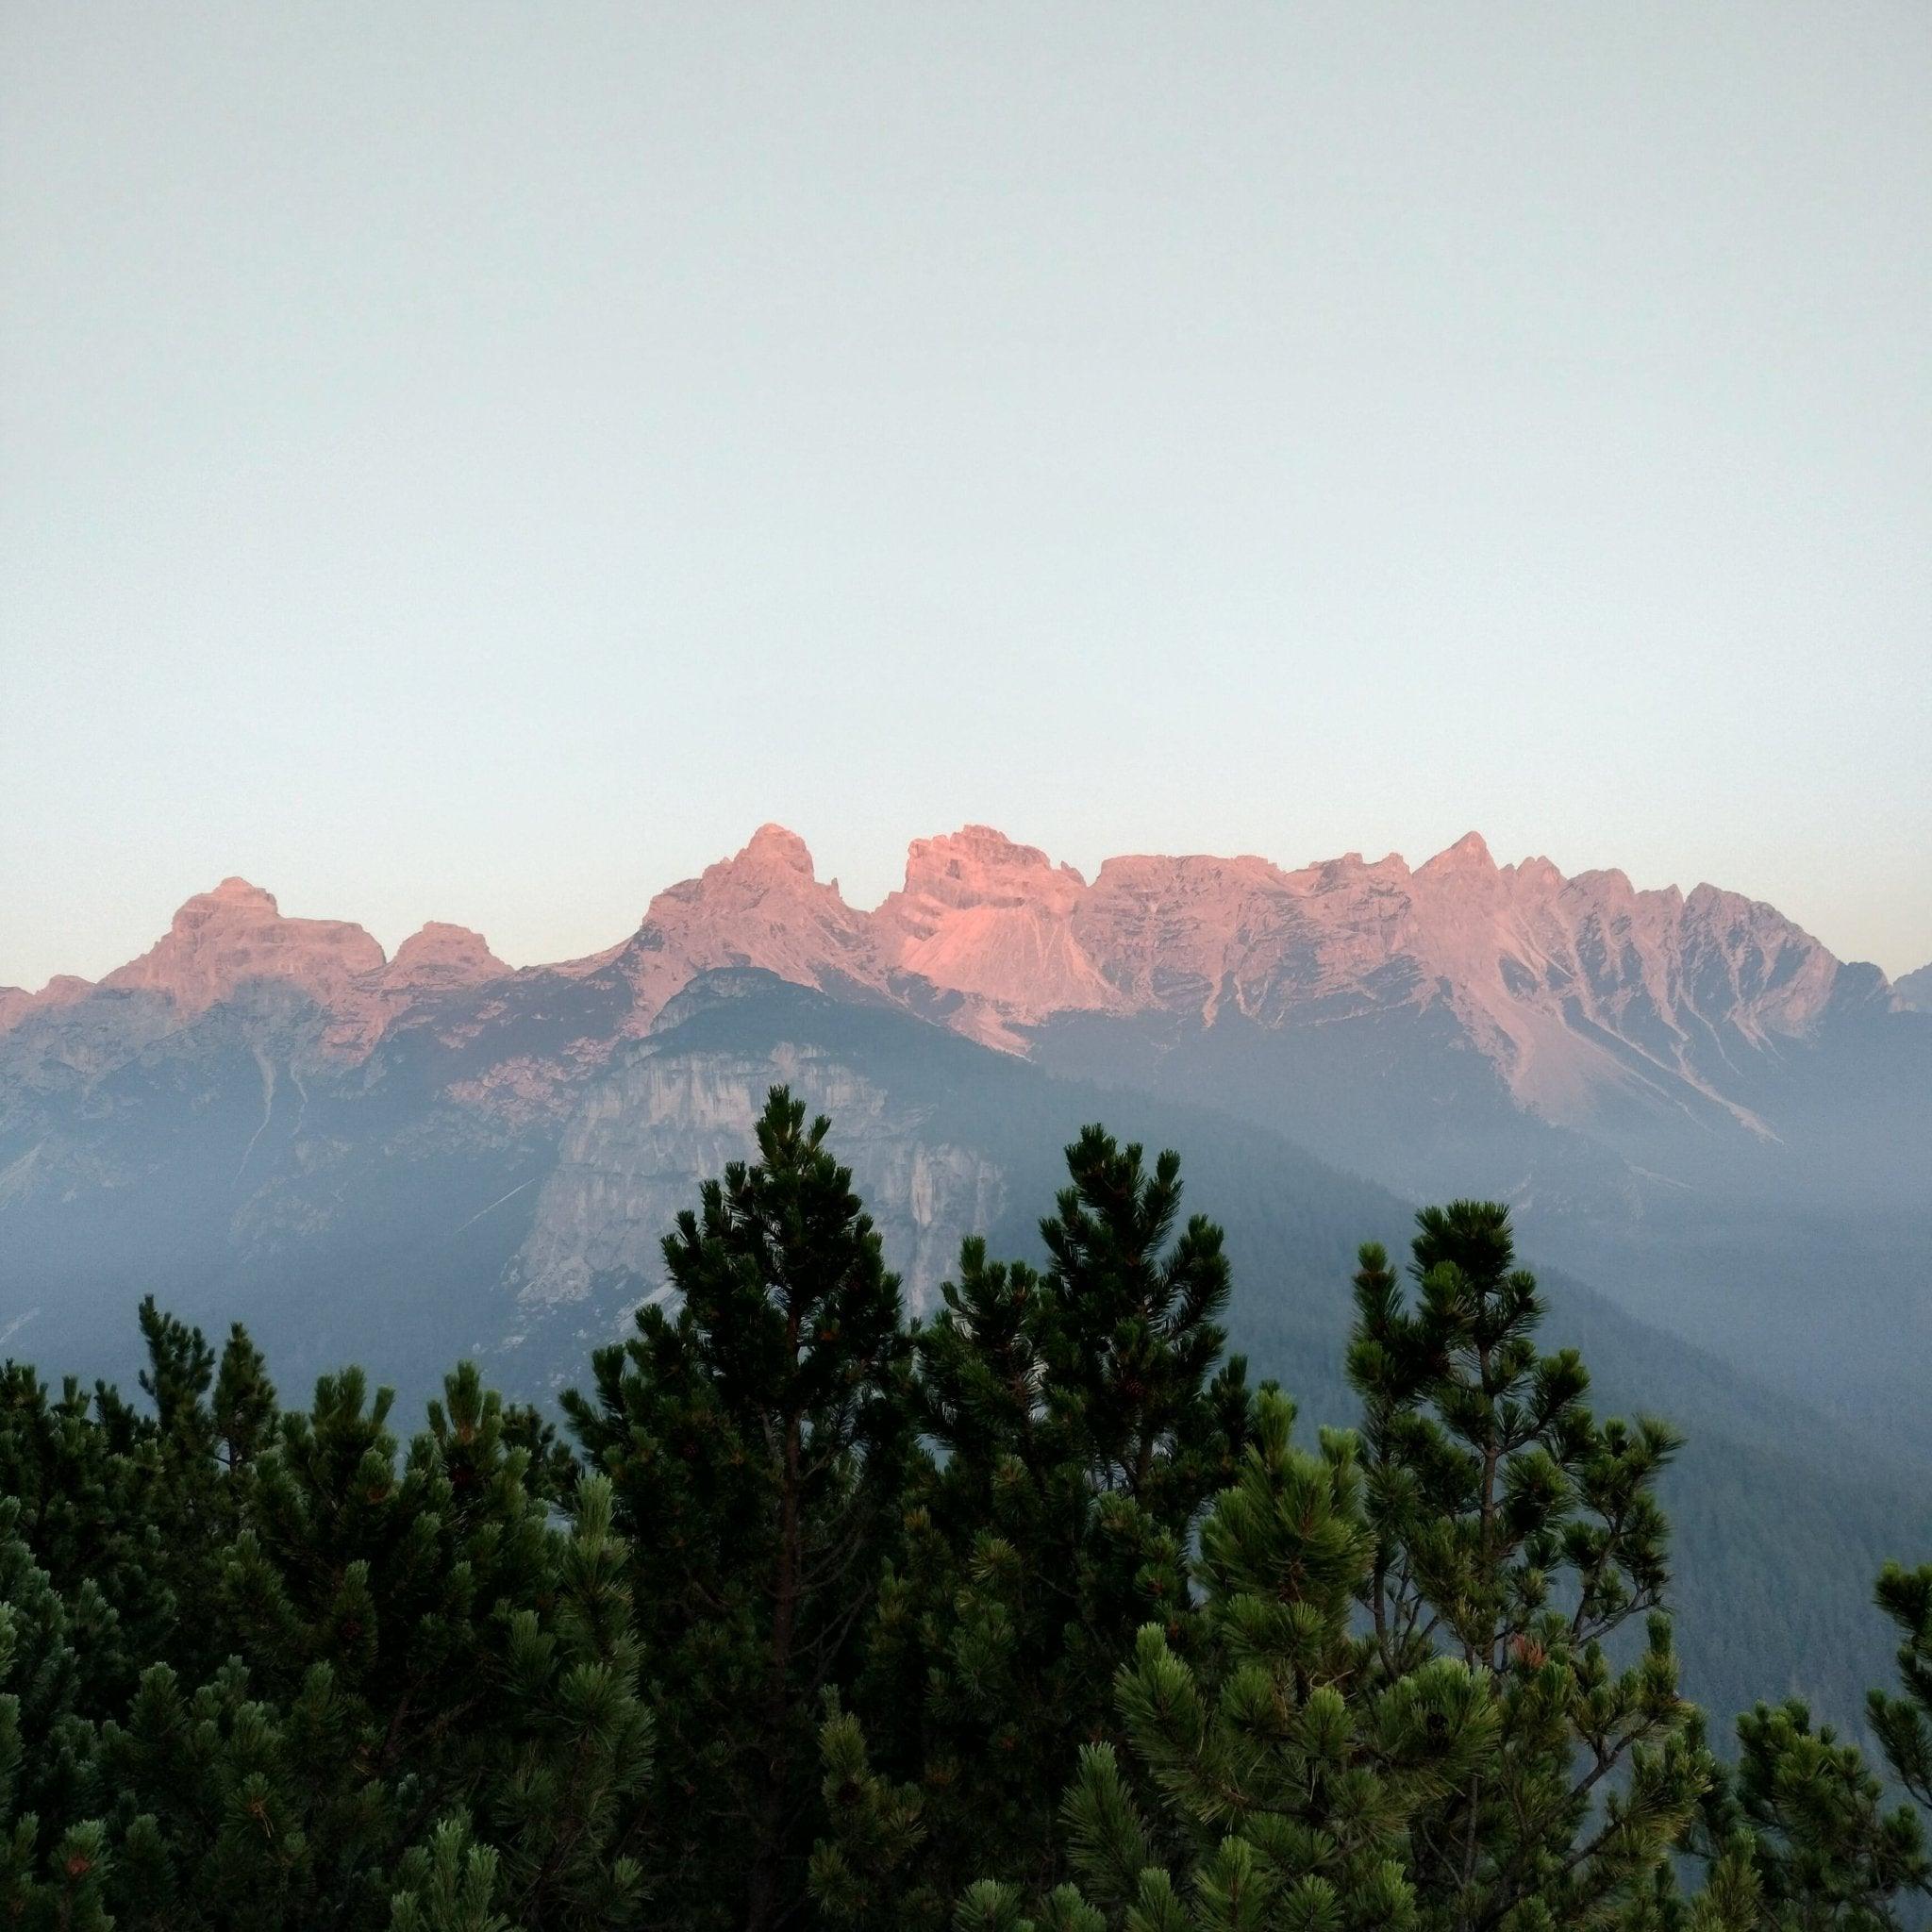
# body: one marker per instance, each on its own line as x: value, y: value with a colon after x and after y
x: 1717, y: 1136
x: 1624, y: 1014
x: 1658, y: 1080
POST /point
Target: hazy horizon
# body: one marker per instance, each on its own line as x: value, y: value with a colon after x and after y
x: 463, y: 462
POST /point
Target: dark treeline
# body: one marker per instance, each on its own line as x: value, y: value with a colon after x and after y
x: 1037, y: 1615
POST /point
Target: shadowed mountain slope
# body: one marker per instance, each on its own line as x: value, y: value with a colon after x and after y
x: 238, y: 1165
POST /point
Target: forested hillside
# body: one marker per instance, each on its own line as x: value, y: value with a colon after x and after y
x: 1045, y: 1610
x: 373, y: 1208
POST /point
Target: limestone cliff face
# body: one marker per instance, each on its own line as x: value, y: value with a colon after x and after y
x: 1577, y: 989
x: 647, y: 1133
x: 430, y: 964
x: 763, y: 908
x: 1585, y: 995
x: 980, y: 915
x: 221, y: 940
x: 17, y: 1003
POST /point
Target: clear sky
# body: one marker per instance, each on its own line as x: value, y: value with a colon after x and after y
x: 478, y: 461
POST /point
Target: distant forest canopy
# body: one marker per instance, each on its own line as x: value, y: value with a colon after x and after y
x: 1039, y: 1613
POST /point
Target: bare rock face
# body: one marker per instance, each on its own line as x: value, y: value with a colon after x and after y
x: 647, y: 1133
x: 1576, y: 989
x: 441, y: 957
x: 1199, y: 935
x: 433, y: 963
x: 980, y: 915
x: 1585, y: 994
x: 221, y: 940
x: 1581, y: 986
x: 1913, y: 992
x: 16, y: 1003
x: 765, y: 907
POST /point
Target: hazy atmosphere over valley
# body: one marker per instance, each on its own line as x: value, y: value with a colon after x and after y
x: 676, y: 681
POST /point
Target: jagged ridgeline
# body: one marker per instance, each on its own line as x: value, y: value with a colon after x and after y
x: 1687, y: 1099
x: 1707, y: 1127
x: 1040, y: 1611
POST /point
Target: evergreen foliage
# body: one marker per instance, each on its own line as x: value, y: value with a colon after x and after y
x: 1804, y: 1828
x: 755, y: 1441
x: 448, y: 1885
x: 1035, y: 1619
x: 1284, y: 1776
x: 1076, y: 1423
x: 402, y: 1636
x: 1515, y: 1531
x: 1400, y: 1711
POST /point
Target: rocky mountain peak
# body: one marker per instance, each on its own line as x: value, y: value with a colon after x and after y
x: 441, y: 955
x: 1746, y: 959
x: 1574, y: 988
x: 219, y: 940
x: 437, y: 959
x: 978, y: 856
x: 16, y: 1003
x: 978, y: 866
x: 772, y: 862
x: 1536, y: 874
x: 233, y: 899
x: 764, y: 907
x: 1470, y: 853
x: 982, y: 915
x: 773, y: 847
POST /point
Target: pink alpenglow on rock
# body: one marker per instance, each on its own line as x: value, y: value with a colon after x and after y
x: 63, y: 989
x: 978, y: 914
x: 1580, y: 992
x: 1572, y: 987
x: 435, y: 962
x: 221, y: 940
x: 765, y: 907
x: 442, y: 956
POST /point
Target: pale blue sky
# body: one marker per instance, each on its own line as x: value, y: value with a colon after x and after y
x: 476, y: 462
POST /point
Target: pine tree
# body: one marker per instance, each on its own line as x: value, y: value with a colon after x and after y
x: 243, y: 1408
x: 1828, y: 1847
x: 1441, y: 1756
x: 755, y: 1440
x: 52, y: 1848
x: 402, y: 1636
x: 566, y: 1804
x: 1078, y: 1427
x: 1281, y: 1780
x: 1042, y: 1591
x: 448, y: 1885
x: 1824, y: 1843
x: 124, y: 1501
x: 1902, y: 1724
x: 1515, y: 1533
